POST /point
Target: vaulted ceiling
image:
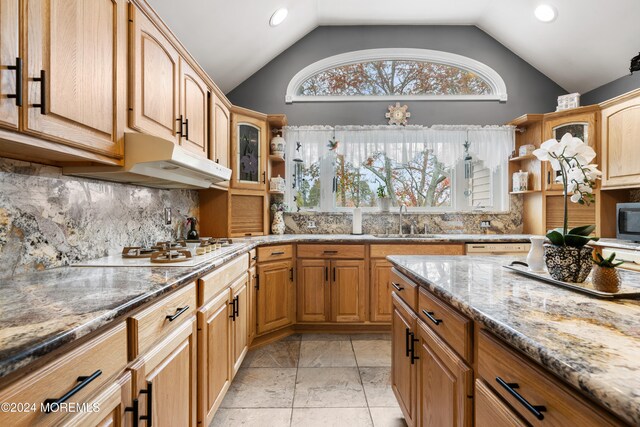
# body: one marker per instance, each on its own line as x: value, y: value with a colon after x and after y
x: 589, y: 44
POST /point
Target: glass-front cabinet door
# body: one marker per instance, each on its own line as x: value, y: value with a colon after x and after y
x: 249, y: 152
x: 580, y: 125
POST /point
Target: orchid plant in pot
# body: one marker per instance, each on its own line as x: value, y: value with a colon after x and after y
x: 567, y: 257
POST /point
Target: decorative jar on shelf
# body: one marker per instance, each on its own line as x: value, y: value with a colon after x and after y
x: 278, y: 144
x: 277, y: 227
x: 277, y: 184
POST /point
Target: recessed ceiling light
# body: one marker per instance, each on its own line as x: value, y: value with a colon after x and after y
x: 278, y: 17
x: 546, y: 13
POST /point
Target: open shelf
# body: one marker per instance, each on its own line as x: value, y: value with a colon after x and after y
x: 275, y: 192
x: 524, y: 192
x: 520, y: 158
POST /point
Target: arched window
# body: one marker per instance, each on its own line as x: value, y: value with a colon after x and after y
x: 396, y: 74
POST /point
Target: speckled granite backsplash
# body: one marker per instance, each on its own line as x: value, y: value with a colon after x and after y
x: 379, y: 223
x: 48, y: 220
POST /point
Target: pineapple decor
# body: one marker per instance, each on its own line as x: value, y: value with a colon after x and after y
x: 605, y: 275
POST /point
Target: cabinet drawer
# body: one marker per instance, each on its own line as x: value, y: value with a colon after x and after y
x: 404, y: 288
x: 154, y: 322
x: 93, y: 363
x: 274, y: 253
x: 210, y: 285
x: 491, y: 410
x: 331, y: 251
x: 503, y: 369
x: 454, y: 328
x: 382, y: 251
x: 253, y: 257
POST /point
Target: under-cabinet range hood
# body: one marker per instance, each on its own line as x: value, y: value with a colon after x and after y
x: 155, y: 162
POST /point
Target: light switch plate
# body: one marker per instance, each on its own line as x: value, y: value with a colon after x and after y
x: 311, y: 224
x: 485, y: 224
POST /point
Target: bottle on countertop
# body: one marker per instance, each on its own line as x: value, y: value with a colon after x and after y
x: 192, y: 234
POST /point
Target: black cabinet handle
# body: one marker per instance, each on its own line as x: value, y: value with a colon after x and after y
x: 149, y: 393
x: 181, y: 125
x: 407, y: 333
x: 255, y: 257
x: 43, y: 92
x: 412, y: 348
x: 264, y: 177
x: 257, y: 277
x: 398, y: 287
x: 291, y: 274
x: 135, y: 410
x: 548, y: 178
x: 326, y: 274
x: 233, y: 309
x: 18, y: 70
x: 236, y: 306
x: 186, y: 126
x: 277, y: 253
x: 430, y: 314
x: 536, y: 410
x: 83, y: 382
x: 179, y: 311
x: 334, y: 274
x: 330, y: 252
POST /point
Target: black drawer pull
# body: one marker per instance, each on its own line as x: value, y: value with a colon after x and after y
x: 277, y: 253
x: 236, y: 307
x: 135, y: 410
x: 149, y: 393
x: 179, y: 311
x: 430, y: 314
x: 255, y: 257
x: 43, y: 92
x: 536, y: 410
x: 398, y: 287
x: 83, y: 382
x: 233, y: 309
x: 412, y: 348
x: 18, y: 94
x: 330, y: 252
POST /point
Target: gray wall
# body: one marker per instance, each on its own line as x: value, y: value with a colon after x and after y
x: 611, y: 89
x: 529, y: 90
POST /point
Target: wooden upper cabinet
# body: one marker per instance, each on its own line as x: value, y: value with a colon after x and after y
x: 194, y: 108
x: 9, y: 52
x: 620, y: 147
x: 219, y: 148
x: 75, y: 72
x: 249, y: 152
x: 155, y: 70
x: 581, y: 124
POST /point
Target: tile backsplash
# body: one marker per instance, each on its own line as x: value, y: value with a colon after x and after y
x: 48, y: 219
x: 381, y: 223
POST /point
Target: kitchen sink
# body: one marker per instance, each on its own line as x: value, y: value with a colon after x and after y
x: 406, y: 236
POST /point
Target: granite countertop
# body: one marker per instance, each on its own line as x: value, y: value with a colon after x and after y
x: 45, y: 310
x: 591, y: 343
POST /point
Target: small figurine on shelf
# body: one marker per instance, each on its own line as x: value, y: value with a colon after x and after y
x: 605, y: 275
x: 278, y: 209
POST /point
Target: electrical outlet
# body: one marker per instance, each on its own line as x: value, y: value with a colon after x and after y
x: 167, y: 216
x: 311, y: 224
x: 485, y: 224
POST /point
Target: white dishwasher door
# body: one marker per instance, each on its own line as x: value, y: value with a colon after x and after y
x: 520, y: 249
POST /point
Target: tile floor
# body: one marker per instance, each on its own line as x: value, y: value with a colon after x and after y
x: 314, y: 380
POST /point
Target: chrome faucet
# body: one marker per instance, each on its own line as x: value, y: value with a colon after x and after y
x: 405, y: 211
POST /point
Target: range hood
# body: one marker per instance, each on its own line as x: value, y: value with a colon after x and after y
x: 156, y: 162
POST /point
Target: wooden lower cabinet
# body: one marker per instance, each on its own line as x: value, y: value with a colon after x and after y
x: 112, y: 406
x: 313, y: 290
x: 403, y: 366
x: 491, y: 411
x: 445, y: 383
x: 275, y: 296
x: 380, y: 298
x: 348, y: 291
x: 164, y: 379
x: 239, y: 322
x: 214, y: 355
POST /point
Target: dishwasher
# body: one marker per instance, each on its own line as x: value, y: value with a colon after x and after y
x: 514, y: 249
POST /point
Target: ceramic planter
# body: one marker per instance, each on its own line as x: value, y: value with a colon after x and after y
x: 385, y: 204
x: 568, y: 264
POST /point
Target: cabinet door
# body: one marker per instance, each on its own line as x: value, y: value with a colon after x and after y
x: 77, y: 50
x: 194, y: 108
x: 275, y: 296
x: 153, y: 91
x: 253, y: 282
x: 214, y: 355
x: 221, y: 129
x: 620, y: 148
x: 9, y: 35
x: 314, y: 291
x: 491, y: 411
x: 165, y: 379
x: 249, y: 216
x: 249, y: 154
x: 403, y: 371
x: 581, y: 125
x: 348, y: 291
x: 240, y: 322
x: 445, y: 383
x: 380, y: 306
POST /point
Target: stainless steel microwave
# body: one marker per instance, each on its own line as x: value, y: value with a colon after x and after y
x: 628, y: 221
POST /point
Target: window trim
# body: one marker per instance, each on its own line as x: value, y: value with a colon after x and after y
x: 493, y: 79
